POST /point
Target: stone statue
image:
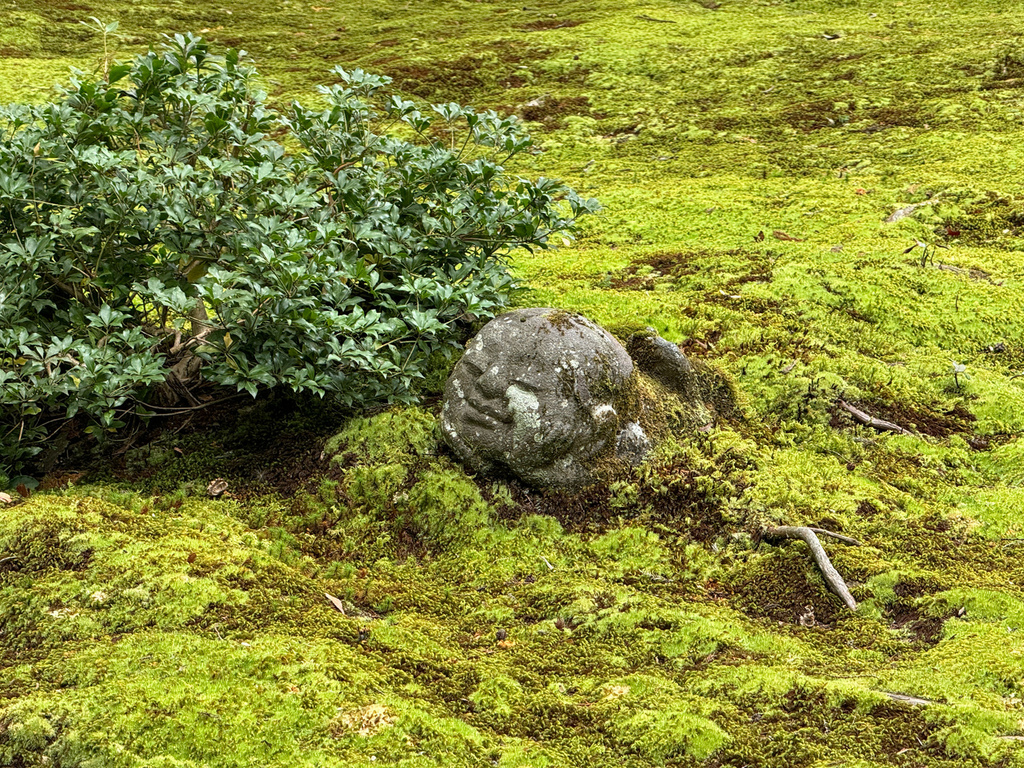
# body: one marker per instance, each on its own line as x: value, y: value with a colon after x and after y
x: 538, y: 393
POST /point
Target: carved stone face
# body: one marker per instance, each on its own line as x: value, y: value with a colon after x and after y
x: 534, y: 395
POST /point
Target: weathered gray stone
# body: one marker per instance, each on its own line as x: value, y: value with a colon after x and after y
x: 664, y: 361
x: 632, y: 444
x: 535, y: 395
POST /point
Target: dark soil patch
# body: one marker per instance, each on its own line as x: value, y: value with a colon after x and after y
x: 703, y: 347
x: 984, y: 223
x: 629, y: 279
x: 544, y: 24
x: 810, y: 115
x: 552, y: 111
x: 680, y: 504
x: 577, y: 76
x: 906, y: 114
x: 514, y: 52
x: 933, y: 423
x: 461, y: 79
x: 645, y: 273
x: 785, y: 588
x: 439, y: 80
x: 866, y: 509
x: 819, y: 114
x: 272, y: 444
x: 923, y: 630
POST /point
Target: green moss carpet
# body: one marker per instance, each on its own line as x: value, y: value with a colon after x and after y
x: 819, y: 199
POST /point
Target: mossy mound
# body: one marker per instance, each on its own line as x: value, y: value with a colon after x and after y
x: 463, y: 628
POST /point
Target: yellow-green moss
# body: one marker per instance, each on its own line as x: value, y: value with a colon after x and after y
x: 743, y: 218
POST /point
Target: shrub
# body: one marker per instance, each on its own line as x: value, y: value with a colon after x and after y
x: 164, y: 225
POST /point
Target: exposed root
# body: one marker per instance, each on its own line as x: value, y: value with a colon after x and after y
x: 870, y: 421
x: 829, y: 573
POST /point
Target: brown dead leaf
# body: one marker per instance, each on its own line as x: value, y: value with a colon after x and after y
x: 759, y: 237
x: 336, y: 603
x: 778, y: 234
x: 23, y: 491
x: 191, y: 557
x: 217, y: 487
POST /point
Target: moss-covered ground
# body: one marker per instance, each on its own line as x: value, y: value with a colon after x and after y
x: 748, y: 155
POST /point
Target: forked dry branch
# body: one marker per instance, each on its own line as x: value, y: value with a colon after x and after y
x: 829, y: 573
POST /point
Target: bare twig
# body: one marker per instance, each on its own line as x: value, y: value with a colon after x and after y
x: 176, y: 411
x: 870, y: 421
x: 836, y: 536
x: 829, y: 573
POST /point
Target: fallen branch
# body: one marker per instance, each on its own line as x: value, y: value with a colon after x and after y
x: 870, y: 421
x: 977, y: 274
x: 902, y: 213
x: 829, y: 573
x: 913, y: 701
